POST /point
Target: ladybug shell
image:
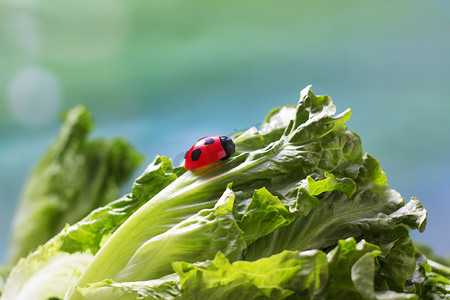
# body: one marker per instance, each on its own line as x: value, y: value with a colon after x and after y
x: 207, y: 150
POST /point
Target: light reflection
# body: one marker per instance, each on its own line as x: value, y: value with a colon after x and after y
x: 34, y: 97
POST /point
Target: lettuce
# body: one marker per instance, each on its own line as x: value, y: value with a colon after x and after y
x: 346, y: 272
x: 299, y: 212
x: 86, y: 236
x: 165, y: 288
x: 431, y: 280
x: 199, y: 237
x: 74, y: 176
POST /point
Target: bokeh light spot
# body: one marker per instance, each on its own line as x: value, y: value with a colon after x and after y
x: 34, y: 97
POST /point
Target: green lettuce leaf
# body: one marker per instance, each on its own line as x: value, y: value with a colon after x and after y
x: 398, y: 265
x: 373, y: 210
x: 352, y: 270
x: 431, y: 279
x: 261, y: 215
x: 346, y: 272
x: 74, y: 176
x: 300, y: 184
x: 313, y: 142
x: 429, y: 253
x: 315, y: 167
x: 197, y: 238
x: 165, y: 288
x: 84, y: 238
x: 276, y: 277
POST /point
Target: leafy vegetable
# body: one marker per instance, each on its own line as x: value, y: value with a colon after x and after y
x: 165, y: 288
x: 312, y: 135
x: 85, y: 237
x: 276, y: 277
x: 431, y: 280
x: 73, y: 177
x: 199, y: 237
x: 429, y: 254
x: 297, y: 213
x: 262, y: 215
x: 347, y: 272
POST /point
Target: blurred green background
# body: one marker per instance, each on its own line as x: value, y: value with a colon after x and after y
x: 164, y: 73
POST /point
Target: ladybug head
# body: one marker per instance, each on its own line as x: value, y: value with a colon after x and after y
x: 227, y: 145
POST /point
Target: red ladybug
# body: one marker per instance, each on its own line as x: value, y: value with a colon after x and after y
x: 207, y: 150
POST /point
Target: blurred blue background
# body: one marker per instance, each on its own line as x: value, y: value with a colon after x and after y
x: 153, y: 71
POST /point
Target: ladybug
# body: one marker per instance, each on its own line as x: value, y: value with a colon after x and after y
x: 208, y: 150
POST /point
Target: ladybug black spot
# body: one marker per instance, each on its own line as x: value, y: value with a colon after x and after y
x: 195, y: 154
x: 228, y: 146
x: 185, y: 154
x: 209, y: 141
